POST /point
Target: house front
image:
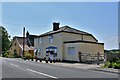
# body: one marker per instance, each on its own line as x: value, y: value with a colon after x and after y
x: 17, y: 45
x: 67, y: 42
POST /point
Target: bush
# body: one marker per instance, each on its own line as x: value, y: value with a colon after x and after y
x: 115, y: 63
x: 11, y: 55
x: 118, y: 61
x: 107, y: 64
x: 6, y: 54
x: 116, y: 66
x: 28, y: 55
x: 115, y: 59
x: 110, y: 65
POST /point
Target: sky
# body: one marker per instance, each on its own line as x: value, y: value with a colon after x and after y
x: 97, y: 18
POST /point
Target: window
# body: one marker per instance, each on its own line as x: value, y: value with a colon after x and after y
x: 40, y: 40
x: 35, y: 40
x: 71, y: 50
x: 50, y: 38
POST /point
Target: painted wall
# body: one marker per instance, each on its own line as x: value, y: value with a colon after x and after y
x: 88, y: 48
x: 13, y: 47
x: 57, y: 42
x: 88, y: 38
x: 73, y: 37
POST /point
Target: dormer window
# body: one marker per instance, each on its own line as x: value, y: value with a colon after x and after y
x: 50, y: 38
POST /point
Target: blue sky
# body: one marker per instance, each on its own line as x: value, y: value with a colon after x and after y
x: 98, y: 18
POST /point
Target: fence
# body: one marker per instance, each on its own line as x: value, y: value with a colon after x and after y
x: 91, y: 58
x: 110, y: 56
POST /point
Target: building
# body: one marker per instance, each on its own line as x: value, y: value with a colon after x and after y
x: 17, y: 45
x: 67, y: 42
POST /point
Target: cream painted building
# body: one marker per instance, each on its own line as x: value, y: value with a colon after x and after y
x: 68, y: 43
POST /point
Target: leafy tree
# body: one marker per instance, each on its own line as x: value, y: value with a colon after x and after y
x: 6, y: 43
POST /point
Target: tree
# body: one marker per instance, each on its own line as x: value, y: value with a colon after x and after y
x: 6, y: 43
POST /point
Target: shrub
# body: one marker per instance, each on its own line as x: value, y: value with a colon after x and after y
x: 28, y: 55
x: 11, y: 55
x: 110, y: 65
x: 115, y: 59
x: 6, y: 54
x: 114, y: 63
x: 118, y: 61
x: 107, y: 64
x: 116, y: 66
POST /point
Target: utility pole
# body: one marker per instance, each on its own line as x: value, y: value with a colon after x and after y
x: 98, y: 60
x: 23, y: 41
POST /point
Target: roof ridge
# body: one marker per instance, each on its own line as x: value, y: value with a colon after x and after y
x: 64, y: 28
x: 75, y: 29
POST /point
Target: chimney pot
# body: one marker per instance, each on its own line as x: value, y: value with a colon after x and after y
x: 55, y: 26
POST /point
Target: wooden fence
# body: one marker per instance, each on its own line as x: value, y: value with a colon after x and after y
x: 110, y: 56
x: 96, y: 58
x: 91, y: 58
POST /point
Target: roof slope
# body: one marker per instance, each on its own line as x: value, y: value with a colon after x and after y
x: 20, y: 43
x: 65, y: 29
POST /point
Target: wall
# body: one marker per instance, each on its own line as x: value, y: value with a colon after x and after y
x: 88, y: 38
x: 88, y: 48
x: 57, y: 42
x: 13, y: 47
x: 73, y: 37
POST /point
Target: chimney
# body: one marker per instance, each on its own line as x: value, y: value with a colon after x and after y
x: 27, y: 34
x: 55, y: 26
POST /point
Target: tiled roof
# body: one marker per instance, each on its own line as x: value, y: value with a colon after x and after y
x: 27, y: 48
x: 65, y: 29
x: 20, y: 43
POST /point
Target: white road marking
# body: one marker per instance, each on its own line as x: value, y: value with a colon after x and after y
x: 42, y: 73
x: 15, y: 65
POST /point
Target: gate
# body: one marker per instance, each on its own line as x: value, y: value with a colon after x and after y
x: 91, y: 58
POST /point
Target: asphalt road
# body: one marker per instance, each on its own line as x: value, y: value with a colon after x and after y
x: 17, y: 68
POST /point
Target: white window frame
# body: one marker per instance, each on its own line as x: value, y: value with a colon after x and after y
x: 50, y: 38
x: 40, y: 40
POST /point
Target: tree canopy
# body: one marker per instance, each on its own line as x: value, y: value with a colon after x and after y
x: 6, y: 43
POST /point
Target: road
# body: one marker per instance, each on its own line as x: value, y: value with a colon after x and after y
x: 18, y: 68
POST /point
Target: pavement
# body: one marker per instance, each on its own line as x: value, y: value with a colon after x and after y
x: 18, y: 68
x: 86, y: 66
